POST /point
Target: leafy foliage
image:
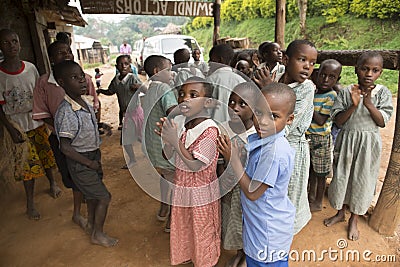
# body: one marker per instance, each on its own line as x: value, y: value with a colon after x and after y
x: 131, y: 28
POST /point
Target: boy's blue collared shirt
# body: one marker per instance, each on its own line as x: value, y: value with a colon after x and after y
x: 268, y: 221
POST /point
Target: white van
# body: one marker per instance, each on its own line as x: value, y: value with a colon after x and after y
x: 137, y: 53
x: 166, y: 45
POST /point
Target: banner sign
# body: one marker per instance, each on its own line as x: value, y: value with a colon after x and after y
x: 148, y: 7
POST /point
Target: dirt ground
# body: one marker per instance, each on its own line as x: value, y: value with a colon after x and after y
x: 56, y: 241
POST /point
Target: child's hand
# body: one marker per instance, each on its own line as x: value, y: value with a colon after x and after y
x: 235, y: 152
x: 224, y: 147
x: 168, y: 131
x: 262, y: 77
x: 367, y: 95
x: 107, y: 129
x: 355, y: 94
x: 94, y: 165
x: 16, y: 135
x: 159, y: 125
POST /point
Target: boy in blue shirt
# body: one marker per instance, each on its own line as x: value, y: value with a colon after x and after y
x: 268, y: 214
x: 76, y: 128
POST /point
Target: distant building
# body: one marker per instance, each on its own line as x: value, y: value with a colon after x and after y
x: 89, y: 50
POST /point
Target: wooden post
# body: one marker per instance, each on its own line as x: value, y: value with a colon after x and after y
x: 80, y: 55
x: 280, y: 22
x: 302, y: 14
x: 217, y: 20
x: 386, y: 216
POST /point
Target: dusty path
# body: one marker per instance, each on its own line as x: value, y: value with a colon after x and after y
x: 56, y: 241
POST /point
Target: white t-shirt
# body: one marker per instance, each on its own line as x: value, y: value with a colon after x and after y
x: 16, y: 95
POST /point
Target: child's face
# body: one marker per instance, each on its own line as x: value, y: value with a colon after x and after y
x: 274, y: 54
x: 328, y: 75
x: 301, y: 64
x: 61, y: 52
x: 192, y: 99
x: 123, y: 66
x: 271, y: 115
x: 9, y: 45
x: 239, y: 111
x: 369, y: 71
x: 243, y: 66
x: 73, y: 81
x: 196, y: 55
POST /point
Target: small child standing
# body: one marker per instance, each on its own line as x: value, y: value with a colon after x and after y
x: 76, y: 128
x: 268, y: 214
x: 158, y: 102
x: 300, y: 58
x: 238, y: 128
x: 97, y: 76
x: 124, y: 84
x: 319, y: 132
x: 195, y: 219
x: 360, y: 110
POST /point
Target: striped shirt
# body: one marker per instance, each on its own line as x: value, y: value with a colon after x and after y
x: 323, y: 104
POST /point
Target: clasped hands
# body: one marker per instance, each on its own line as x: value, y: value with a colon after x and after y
x: 356, y: 94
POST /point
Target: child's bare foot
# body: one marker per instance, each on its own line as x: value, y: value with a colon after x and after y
x: 33, y: 214
x: 55, y: 191
x: 79, y: 220
x: 315, y: 206
x: 103, y: 240
x: 352, y: 232
x: 89, y: 228
x: 339, y: 217
x: 163, y: 213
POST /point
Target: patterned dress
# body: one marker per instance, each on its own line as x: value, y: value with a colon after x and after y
x: 231, y: 207
x: 297, y: 189
x: 195, y: 229
x: 357, y: 151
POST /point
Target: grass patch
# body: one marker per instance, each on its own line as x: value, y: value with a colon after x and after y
x: 348, y: 33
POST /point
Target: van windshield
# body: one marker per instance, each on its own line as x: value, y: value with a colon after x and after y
x: 169, y: 46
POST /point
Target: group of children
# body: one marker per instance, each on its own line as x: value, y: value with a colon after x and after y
x: 258, y: 155
x: 270, y: 144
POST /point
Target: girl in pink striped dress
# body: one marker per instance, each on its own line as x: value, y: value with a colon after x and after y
x: 195, y: 218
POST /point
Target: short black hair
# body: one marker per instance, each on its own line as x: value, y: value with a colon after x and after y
x: 4, y: 32
x: 331, y: 61
x: 249, y: 87
x: 294, y: 45
x: 121, y: 57
x: 283, y: 92
x: 244, y: 56
x: 60, y: 68
x: 51, y: 49
x: 154, y: 61
x: 366, y: 55
x: 208, y: 89
x: 263, y: 47
x: 181, y: 56
x: 64, y: 37
x: 224, y: 52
